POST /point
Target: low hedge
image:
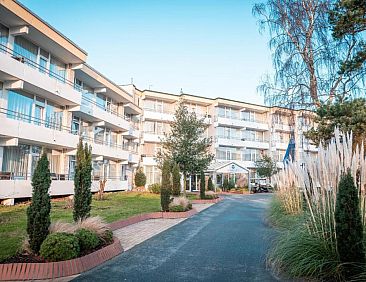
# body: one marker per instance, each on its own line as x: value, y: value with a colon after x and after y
x: 60, y: 246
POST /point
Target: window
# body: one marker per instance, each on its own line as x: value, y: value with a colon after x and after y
x: 15, y: 160
x: 58, y: 69
x: 3, y: 37
x: 75, y: 125
x: 20, y: 106
x: 43, y: 61
x: 26, y: 49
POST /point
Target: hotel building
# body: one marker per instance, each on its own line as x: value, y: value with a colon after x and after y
x: 50, y: 98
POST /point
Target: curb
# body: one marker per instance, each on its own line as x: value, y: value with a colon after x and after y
x: 207, y: 201
x: 52, y: 270
x: 154, y: 215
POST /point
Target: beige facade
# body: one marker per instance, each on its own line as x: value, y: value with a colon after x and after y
x: 241, y: 132
x: 49, y: 98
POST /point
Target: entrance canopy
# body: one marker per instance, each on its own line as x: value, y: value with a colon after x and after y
x: 227, y: 167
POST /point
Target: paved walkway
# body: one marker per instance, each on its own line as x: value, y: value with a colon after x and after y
x: 135, y: 234
x: 227, y: 242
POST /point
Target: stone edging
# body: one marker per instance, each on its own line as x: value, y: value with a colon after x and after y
x: 207, y: 201
x: 52, y: 270
x: 138, y: 218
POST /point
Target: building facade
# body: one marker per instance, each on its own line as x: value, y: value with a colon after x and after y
x: 50, y: 98
x: 241, y: 132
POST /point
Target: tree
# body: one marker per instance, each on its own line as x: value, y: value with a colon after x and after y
x: 348, y: 224
x: 38, y: 213
x: 305, y: 55
x: 265, y: 166
x: 210, y: 185
x: 348, y: 19
x: 140, y: 178
x: 225, y: 185
x: 347, y: 116
x: 166, y: 186
x: 203, y: 185
x: 186, y: 143
x: 82, y: 182
x: 176, y: 180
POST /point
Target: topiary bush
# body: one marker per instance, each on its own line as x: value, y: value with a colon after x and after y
x: 88, y: 240
x: 60, y: 246
x: 225, y: 185
x: 210, y: 185
x: 166, y: 187
x: 231, y: 183
x: 349, y: 228
x: 202, y: 185
x: 107, y: 237
x: 176, y: 187
x: 140, y: 178
x: 155, y: 188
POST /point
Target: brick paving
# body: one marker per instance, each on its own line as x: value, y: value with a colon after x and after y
x: 137, y: 233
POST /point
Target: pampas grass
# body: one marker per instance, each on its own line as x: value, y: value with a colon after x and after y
x: 180, y: 201
x: 95, y: 224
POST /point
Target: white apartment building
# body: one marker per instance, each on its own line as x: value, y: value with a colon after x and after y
x: 241, y: 132
x: 49, y: 98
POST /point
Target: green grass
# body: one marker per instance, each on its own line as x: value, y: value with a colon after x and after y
x: 114, y: 206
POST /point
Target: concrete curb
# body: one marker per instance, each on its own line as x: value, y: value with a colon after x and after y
x: 52, y: 270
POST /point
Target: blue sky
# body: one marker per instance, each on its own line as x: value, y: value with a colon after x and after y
x: 206, y: 47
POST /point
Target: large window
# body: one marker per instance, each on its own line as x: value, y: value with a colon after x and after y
x: 15, y: 160
x: 20, y: 106
x: 58, y: 69
x: 4, y: 33
x: 26, y: 49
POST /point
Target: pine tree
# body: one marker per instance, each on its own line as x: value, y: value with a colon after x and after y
x: 176, y: 180
x: 349, y: 229
x: 38, y: 213
x: 186, y: 144
x: 210, y: 185
x: 140, y: 178
x: 203, y: 186
x: 166, y: 186
x: 82, y: 182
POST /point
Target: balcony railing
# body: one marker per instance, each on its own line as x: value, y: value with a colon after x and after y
x: 87, y: 101
x: 20, y: 58
x: 49, y: 123
x: 235, y: 117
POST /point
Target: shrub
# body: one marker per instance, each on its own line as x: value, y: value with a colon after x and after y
x: 88, y: 240
x: 94, y: 224
x: 166, y: 187
x: 107, y: 237
x: 225, y: 185
x: 60, y: 246
x: 210, y: 185
x: 82, y: 182
x: 348, y: 224
x: 155, y: 188
x: 38, y: 213
x: 176, y: 208
x: 231, y: 183
x: 176, y: 180
x: 140, y: 178
x: 202, y: 185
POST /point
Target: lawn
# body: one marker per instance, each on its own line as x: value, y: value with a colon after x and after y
x: 115, y: 206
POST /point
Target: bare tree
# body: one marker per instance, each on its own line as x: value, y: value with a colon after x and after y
x: 305, y: 55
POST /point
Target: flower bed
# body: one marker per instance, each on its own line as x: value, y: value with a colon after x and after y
x: 52, y: 270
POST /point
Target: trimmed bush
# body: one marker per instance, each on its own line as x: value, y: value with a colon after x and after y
x: 178, y: 208
x: 107, y: 237
x: 210, y: 185
x: 140, y: 178
x: 155, y: 188
x: 231, y: 183
x: 225, y: 185
x: 166, y: 187
x: 349, y: 228
x: 176, y: 180
x: 60, y: 246
x: 38, y: 213
x: 202, y: 185
x: 88, y: 240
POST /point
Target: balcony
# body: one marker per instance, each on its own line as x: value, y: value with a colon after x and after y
x: 152, y: 137
x: 236, y: 122
x: 229, y: 141
x: 257, y: 143
x: 39, y: 131
x: 109, y: 150
x: 282, y: 127
x: 149, y: 160
x: 21, y: 73
x: 150, y: 114
x: 93, y: 112
x: 134, y: 158
x: 132, y: 133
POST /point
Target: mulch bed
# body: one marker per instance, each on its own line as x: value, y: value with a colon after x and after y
x: 23, y: 258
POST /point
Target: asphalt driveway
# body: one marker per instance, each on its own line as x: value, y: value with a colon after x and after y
x: 226, y: 242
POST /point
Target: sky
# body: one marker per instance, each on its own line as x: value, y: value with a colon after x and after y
x: 209, y: 48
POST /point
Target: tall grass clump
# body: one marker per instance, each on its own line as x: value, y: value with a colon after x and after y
x: 308, y: 191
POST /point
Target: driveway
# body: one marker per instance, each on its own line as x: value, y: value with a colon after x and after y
x: 226, y: 242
